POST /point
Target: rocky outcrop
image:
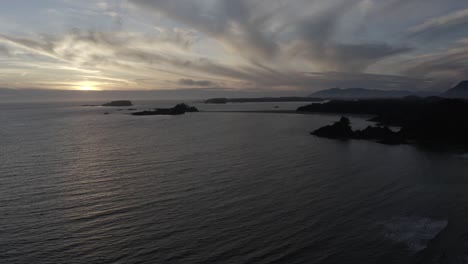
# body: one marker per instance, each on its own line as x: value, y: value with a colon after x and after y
x: 216, y: 101
x: 381, y: 134
x: 176, y: 110
x: 119, y: 103
x: 426, y: 120
x: 342, y: 130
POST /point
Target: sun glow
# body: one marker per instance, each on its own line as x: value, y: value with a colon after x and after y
x: 87, y: 87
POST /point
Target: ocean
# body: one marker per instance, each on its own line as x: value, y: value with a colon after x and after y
x: 78, y: 186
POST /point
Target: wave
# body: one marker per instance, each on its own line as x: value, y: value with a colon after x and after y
x: 463, y: 156
x: 414, y: 232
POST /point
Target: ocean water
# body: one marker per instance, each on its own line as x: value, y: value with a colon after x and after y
x: 78, y: 186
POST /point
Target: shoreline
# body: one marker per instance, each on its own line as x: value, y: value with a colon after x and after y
x: 288, y: 112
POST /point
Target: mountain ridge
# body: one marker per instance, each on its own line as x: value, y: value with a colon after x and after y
x: 458, y: 91
x: 356, y: 93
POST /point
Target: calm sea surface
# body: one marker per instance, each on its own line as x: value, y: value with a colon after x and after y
x: 78, y: 186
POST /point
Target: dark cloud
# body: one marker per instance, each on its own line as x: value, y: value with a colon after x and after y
x: 317, y: 44
x: 457, y: 18
x: 270, y: 44
x: 346, y: 57
x: 190, y: 82
x: 447, y: 66
x: 4, y: 51
x: 233, y: 22
x: 103, y: 50
x: 445, y: 28
x: 246, y: 26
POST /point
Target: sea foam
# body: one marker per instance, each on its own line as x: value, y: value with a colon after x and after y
x: 414, y: 232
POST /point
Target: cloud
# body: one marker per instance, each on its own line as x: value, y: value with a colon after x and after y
x: 448, y: 66
x: 137, y: 57
x: 365, y: 80
x: 248, y: 44
x: 74, y: 44
x: 346, y: 57
x: 190, y: 82
x: 4, y: 51
x: 441, y: 30
x: 235, y: 23
x: 95, y: 49
x: 267, y: 34
x: 449, y: 20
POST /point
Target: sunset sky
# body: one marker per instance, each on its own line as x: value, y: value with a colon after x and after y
x: 233, y: 44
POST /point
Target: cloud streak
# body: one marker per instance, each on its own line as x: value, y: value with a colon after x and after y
x: 245, y: 44
x: 201, y: 83
x: 453, y: 19
x: 4, y: 51
x: 261, y: 34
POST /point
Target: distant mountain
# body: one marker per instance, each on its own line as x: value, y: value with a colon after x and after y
x: 362, y: 93
x: 261, y: 100
x: 459, y: 91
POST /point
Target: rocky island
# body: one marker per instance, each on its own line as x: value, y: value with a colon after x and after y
x: 119, y: 103
x: 422, y: 120
x: 176, y: 110
x: 342, y: 130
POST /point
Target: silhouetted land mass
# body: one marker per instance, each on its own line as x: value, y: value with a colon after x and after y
x: 459, y: 91
x: 362, y: 93
x: 339, y: 130
x: 342, y: 130
x: 431, y: 119
x: 176, y: 110
x: 261, y: 100
x: 119, y: 103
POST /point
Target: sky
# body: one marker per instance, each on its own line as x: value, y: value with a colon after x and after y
x: 288, y: 46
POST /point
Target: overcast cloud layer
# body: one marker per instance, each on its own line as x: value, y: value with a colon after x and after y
x: 290, y: 45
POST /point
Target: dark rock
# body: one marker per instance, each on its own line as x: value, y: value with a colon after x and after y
x: 341, y: 129
x: 176, y: 110
x: 119, y: 103
x: 427, y: 120
x: 380, y: 133
x: 216, y: 101
x: 186, y: 108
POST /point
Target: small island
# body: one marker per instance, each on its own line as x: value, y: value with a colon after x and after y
x: 119, y: 103
x: 342, y: 130
x: 176, y: 110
